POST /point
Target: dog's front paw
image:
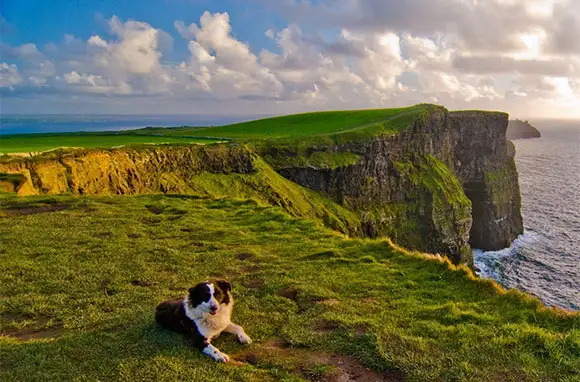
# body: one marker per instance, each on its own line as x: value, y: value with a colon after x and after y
x: 244, y: 338
x: 214, y: 353
x: 221, y: 357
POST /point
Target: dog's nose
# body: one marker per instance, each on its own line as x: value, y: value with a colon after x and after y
x: 213, y: 308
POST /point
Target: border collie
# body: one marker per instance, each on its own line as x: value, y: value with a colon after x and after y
x: 202, y: 315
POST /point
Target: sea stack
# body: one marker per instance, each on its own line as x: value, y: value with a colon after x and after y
x: 518, y: 129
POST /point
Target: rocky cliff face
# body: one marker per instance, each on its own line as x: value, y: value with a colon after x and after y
x: 420, y: 187
x: 101, y: 172
x: 484, y: 163
x: 217, y: 171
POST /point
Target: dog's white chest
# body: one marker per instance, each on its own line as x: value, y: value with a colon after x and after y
x: 210, y: 326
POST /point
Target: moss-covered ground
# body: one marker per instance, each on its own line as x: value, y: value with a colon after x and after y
x: 80, y: 278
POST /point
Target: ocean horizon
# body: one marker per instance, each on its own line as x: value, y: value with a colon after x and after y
x: 67, y: 123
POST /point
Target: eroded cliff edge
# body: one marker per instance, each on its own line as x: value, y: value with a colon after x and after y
x: 444, y: 183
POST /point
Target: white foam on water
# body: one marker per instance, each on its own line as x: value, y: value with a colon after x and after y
x: 488, y: 263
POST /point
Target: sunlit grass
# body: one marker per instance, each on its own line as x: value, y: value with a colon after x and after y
x: 88, y: 272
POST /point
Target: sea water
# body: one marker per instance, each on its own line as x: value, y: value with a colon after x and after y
x: 545, y: 260
x: 63, y: 123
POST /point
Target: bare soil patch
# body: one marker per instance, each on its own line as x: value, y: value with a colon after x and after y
x: 29, y: 333
x: 250, y: 269
x: 245, y: 256
x: 325, y: 326
x: 308, y: 364
x: 254, y: 283
x: 32, y: 210
x: 141, y: 283
x: 290, y: 293
x: 156, y: 210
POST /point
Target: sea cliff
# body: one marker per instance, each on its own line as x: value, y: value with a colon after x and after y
x: 443, y: 183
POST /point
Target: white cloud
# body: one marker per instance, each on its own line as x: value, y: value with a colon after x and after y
x: 332, y: 54
x: 9, y: 75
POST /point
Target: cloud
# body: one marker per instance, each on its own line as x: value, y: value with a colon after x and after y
x: 9, y: 75
x: 331, y: 54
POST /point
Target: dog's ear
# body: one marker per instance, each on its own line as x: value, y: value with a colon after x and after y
x: 195, y: 289
x: 198, y: 294
x: 224, y: 285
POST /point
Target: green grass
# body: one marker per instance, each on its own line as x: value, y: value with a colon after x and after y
x: 88, y: 273
x: 26, y: 143
x: 328, y: 127
x: 306, y: 125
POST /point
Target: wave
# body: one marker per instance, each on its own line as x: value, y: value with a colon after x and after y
x: 488, y: 264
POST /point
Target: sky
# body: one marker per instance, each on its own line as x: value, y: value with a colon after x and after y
x: 266, y: 57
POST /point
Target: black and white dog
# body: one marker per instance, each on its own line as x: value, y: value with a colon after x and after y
x: 202, y: 315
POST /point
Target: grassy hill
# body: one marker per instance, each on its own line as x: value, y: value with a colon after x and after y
x: 80, y: 278
x: 349, y: 123
x: 308, y: 124
x: 27, y: 143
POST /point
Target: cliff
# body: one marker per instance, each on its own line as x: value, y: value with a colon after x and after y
x: 484, y: 163
x: 521, y: 129
x: 445, y: 183
x: 217, y: 171
x: 430, y: 179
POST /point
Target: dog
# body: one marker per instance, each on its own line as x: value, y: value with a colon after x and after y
x: 202, y: 315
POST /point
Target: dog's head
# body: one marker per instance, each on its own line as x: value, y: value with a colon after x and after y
x: 209, y: 295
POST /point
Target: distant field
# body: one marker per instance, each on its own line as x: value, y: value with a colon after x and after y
x: 307, y: 124
x: 43, y: 142
x: 348, y: 124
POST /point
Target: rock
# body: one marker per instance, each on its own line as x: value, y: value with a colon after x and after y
x: 521, y: 129
x: 484, y: 163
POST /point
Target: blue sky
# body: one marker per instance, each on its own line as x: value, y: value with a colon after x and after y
x: 234, y: 57
x: 42, y: 22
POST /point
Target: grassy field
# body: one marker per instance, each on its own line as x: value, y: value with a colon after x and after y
x: 307, y: 124
x: 350, y: 124
x: 80, y: 278
x: 26, y: 143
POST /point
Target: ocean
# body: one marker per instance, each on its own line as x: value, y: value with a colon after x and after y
x: 62, y: 123
x: 545, y: 260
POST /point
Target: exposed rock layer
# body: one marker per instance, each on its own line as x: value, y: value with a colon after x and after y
x: 217, y: 171
x: 484, y: 163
